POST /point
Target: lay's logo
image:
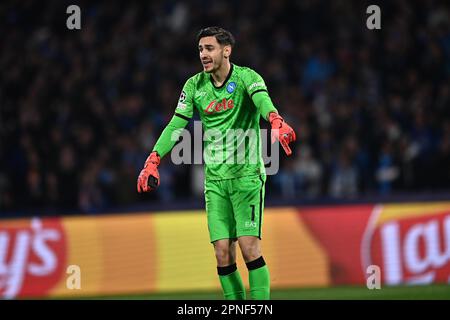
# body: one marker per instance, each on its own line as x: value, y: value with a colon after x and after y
x: 32, y: 257
x: 411, y: 244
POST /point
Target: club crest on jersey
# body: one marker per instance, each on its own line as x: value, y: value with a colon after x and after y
x: 220, y: 106
x: 231, y: 86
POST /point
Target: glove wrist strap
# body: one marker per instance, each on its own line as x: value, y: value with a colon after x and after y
x: 153, y: 158
x: 274, y: 116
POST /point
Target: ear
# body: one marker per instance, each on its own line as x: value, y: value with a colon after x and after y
x: 227, y: 51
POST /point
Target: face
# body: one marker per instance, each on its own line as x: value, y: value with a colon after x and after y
x: 212, y: 54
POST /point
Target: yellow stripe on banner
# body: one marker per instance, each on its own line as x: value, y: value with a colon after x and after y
x: 143, y: 253
x: 293, y: 255
x: 84, y: 249
x: 411, y: 210
x: 185, y: 255
x: 187, y: 262
x: 130, y: 257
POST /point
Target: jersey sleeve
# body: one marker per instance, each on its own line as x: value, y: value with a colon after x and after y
x: 257, y: 90
x: 185, y: 106
x: 183, y: 113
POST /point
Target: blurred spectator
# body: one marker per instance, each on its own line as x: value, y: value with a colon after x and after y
x: 309, y: 172
x: 81, y: 110
x: 344, y: 177
x: 387, y: 172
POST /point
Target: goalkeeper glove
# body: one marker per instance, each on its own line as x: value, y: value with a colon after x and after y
x: 148, y: 179
x: 281, y: 131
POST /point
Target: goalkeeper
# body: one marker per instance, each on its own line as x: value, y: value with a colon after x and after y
x: 227, y: 97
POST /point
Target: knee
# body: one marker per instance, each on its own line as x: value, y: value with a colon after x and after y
x: 251, y: 251
x: 223, y: 255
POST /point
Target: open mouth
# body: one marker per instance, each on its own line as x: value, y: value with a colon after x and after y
x: 207, y: 63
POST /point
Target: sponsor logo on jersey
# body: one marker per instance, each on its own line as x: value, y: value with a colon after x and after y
x: 200, y: 94
x: 220, y: 106
x: 231, y: 86
x: 256, y: 84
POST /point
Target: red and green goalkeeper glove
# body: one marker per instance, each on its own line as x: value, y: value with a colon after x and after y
x: 281, y: 131
x: 148, y: 179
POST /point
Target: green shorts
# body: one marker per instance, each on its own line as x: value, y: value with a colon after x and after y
x: 235, y: 207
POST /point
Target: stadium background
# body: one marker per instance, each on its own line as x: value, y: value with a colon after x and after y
x: 369, y: 182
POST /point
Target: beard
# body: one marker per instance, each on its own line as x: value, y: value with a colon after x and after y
x: 215, y: 65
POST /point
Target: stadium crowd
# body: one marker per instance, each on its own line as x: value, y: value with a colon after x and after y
x: 81, y: 109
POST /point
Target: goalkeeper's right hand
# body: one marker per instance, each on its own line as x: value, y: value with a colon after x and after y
x: 148, y: 179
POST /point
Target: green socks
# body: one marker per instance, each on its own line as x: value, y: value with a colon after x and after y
x: 232, y: 285
x: 259, y: 279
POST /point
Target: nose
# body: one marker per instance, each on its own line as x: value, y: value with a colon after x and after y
x: 203, y: 54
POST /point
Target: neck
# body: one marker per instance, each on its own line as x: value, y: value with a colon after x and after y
x: 221, y: 74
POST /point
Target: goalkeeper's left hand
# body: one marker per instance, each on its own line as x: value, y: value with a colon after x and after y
x: 281, y: 131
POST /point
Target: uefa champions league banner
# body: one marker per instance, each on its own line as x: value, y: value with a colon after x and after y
x: 38, y: 256
x: 410, y: 243
x: 141, y: 253
x: 167, y: 252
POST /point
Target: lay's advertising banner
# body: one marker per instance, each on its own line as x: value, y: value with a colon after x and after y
x: 165, y: 252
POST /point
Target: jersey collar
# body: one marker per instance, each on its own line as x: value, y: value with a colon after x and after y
x: 226, y: 79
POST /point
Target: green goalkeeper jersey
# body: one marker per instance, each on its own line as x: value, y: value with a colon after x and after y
x: 230, y: 116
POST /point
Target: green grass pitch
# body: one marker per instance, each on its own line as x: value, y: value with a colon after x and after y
x: 424, y: 292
